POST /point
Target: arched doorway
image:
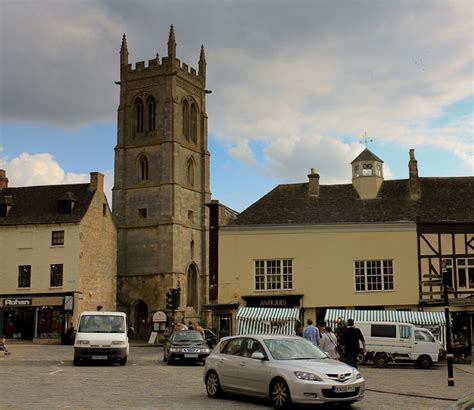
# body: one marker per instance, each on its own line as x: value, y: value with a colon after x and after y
x: 141, y: 321
x: 192, y: 288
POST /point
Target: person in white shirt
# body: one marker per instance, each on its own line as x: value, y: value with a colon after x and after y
x: 328, y: 343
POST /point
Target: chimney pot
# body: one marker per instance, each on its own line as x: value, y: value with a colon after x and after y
x: 3, y: 179
x: 313, y: 186
x: 97, y: 181
x: 414, y: 181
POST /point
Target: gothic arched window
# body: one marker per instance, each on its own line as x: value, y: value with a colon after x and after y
x: 190, y: 171
x: 186, y: 119
x: 143, y: 168
x: 192, y: 286
x: 151, y: 103
x: 193, y: 122
x: 139, y: 115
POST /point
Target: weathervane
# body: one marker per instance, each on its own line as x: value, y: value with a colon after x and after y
x: 366, y: 139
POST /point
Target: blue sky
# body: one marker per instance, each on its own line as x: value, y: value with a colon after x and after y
x: 294, y: 86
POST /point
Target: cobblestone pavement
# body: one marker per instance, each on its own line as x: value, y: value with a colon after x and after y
x: 43, y: 377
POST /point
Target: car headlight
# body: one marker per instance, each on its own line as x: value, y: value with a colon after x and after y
x: 83, y: 342
x: 174, y: 349
x: 357, y: 374
x: 308, y: 376
x: 118, y: 342
x: 206, y: 350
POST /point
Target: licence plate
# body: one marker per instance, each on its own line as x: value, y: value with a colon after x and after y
x: 191, y: 356
x: 99, y: 357
x: 343, y: 389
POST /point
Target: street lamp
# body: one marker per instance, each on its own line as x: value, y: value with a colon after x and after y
x: 449, y: 354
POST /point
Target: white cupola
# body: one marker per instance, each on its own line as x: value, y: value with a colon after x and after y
x: 367, y: 174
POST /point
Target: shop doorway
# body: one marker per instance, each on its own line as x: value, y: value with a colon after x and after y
x: 19, y: 323
x: 222, y: 325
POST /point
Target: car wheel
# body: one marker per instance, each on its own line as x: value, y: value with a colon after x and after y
x: 280, y: 394
x: 381, y: 360
x: 170, y: 360
x: 213, y: 386
x: 424, y: 362
x: 123, y: 361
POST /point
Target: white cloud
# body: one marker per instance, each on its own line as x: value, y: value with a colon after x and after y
x: 306, y: 75
x: 243, y: 152
x: 42, y: 169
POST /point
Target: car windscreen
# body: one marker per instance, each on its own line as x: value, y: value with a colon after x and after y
x: 101, y: 324
x: 187, y: 336
x: 293, y: 349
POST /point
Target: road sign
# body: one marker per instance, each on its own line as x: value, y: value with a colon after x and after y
x: 432, y: 282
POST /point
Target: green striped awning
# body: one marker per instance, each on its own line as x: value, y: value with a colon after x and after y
x: 416, y: 318
x: 434, y: 321
x: 257, y: 320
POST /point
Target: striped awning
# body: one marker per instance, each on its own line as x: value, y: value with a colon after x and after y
x: 257, y: 320
x: 416, y: 318
x: 434, y: 321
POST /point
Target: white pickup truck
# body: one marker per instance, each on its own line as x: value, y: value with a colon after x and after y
x: 399, y: 342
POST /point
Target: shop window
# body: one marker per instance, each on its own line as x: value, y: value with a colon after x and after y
x: 50, y: 321
x: 57, y: 238
x: 56, y: 278
x: 24, y: 276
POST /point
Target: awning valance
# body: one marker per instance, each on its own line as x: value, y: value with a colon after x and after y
x: 416, y: 318
x: 434, y: 321
x: 255, y: 320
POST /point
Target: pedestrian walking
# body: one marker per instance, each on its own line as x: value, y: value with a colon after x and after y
x: 351, y: 336
x: 328, y: 343
x: 199, y: 328
x: 311, y: 333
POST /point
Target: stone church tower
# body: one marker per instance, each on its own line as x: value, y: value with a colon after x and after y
x: 161, y: 187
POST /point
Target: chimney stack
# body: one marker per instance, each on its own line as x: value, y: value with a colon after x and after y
x: 3, y: 179
x: 313, y: 183
x: 97, y: 181
x: 414, y: 182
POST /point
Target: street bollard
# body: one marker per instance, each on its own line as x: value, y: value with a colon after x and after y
x: 449, y: 357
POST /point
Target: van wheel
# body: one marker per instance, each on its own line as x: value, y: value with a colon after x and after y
x: 123, y: 361
x: 361, y: 358
x: 424, y: 362
x: 380, y: 360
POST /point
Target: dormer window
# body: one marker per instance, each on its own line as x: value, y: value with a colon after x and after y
x: 66, y: 203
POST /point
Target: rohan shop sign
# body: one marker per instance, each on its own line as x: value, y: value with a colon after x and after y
x: 17, y: 302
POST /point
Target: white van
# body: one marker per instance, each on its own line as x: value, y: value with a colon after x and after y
x: 101, y: 336
x: 399, y: 342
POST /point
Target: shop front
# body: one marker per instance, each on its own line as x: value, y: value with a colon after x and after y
x: 39, y: 318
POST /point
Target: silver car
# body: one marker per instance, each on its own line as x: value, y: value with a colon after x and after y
x: 284, y: 369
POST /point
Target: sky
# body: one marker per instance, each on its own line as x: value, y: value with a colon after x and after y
x: 295, y: 85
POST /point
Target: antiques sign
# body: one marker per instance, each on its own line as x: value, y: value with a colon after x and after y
x: 282, y: 301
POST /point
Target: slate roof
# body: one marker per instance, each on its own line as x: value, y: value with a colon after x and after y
x: 39, y: 204
x: 367, y: 155
x: 449, y: 199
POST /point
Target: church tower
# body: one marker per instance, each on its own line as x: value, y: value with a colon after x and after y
x: 161, y: 187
